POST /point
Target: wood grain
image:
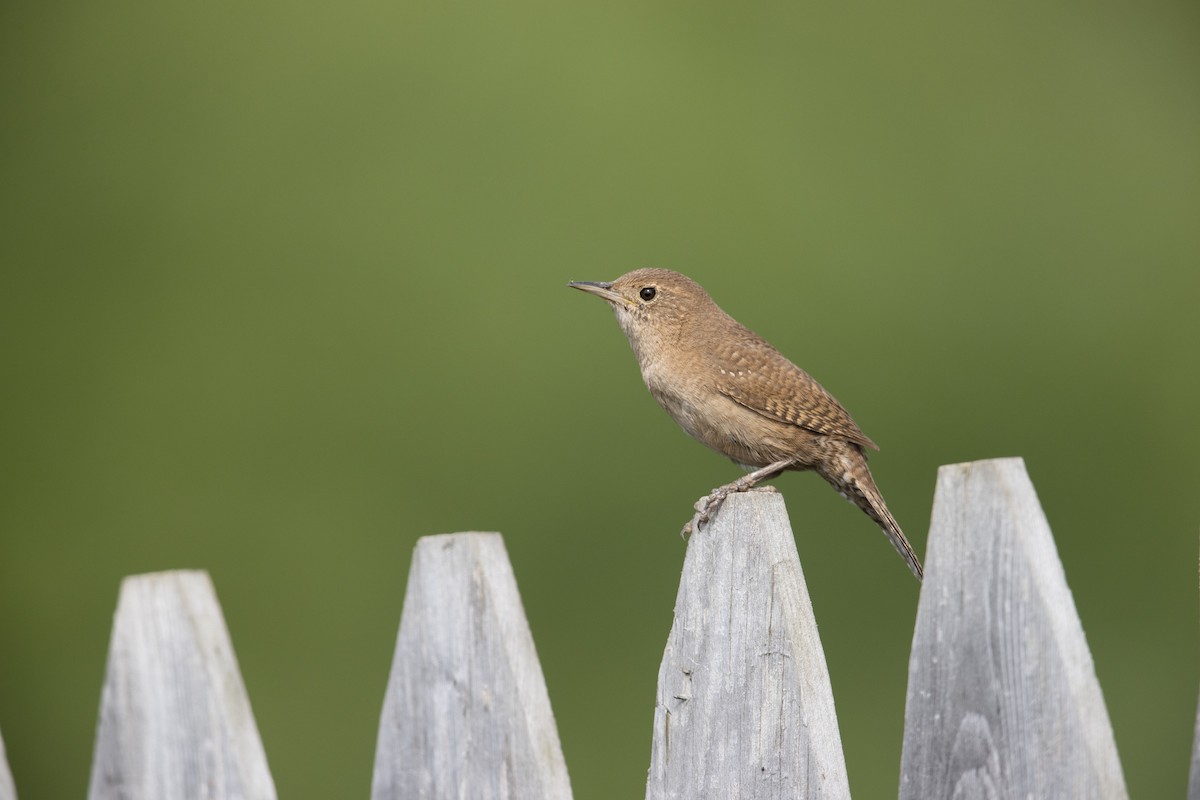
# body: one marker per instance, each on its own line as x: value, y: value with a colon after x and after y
x: 1003, y: 700
x: 175, y: 722
x: 744, y: 706
x: 466, y: 714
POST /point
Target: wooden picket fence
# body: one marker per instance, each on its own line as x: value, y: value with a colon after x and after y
x: 1002, y: 702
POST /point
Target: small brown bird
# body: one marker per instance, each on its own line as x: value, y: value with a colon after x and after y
x: 731, y: 390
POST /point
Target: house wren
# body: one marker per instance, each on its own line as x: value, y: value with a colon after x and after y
x: 734, y: 392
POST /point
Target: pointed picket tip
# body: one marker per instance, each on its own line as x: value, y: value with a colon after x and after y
x: 1194, y: 773
x: 466, y: 714
x: 175, y: 721
x: 7, y: 790
x: 1194, y: 776
x: 1002, y: 698
x: 745, y: 707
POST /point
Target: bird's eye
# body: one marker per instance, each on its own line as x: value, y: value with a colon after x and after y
x: 647, y: 293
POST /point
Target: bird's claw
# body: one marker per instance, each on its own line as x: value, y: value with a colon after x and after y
x: 705, y: 507
x: 699, y: 518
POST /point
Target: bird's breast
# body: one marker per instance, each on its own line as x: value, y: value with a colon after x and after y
x: 715, y: 420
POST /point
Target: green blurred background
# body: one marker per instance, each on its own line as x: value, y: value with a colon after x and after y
x: 284, y: 288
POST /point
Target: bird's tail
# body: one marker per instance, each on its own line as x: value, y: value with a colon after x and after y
x: 855, y: 483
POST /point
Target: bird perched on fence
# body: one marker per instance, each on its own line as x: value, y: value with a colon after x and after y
x: 734, y: 392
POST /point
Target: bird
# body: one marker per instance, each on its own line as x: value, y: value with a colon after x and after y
x: 731, y: 390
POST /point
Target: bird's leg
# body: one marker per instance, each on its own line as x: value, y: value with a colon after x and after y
x: 706, y: 506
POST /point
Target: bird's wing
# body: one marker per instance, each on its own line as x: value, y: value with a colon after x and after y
x: 754, y: 374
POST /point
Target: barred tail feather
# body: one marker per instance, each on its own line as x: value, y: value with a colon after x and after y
x: 856, y: 485
x: 877, y: 511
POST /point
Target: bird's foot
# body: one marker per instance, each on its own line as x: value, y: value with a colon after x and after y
x: 689, y: 527
x: 707, y: 506
x: 704, y: 507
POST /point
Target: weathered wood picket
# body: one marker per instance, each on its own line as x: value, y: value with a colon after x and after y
x: 175, y: 721
x: 744, y: 705
x: 7, y: 790
x: 1002, y: 699
x: 1194, y: 775
x: 466, y: 712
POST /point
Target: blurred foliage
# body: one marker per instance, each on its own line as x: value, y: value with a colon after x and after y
x: 283, y: 289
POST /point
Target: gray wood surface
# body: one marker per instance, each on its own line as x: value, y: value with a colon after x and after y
x: 7, y: 790
x: 744, y: 707
x: 466, y: 714
x: 1194, y: 775
x: 175, y: 722
x: 1194, y: 772
x: 1003, y: 700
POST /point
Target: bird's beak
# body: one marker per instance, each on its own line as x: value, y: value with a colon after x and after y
x: 601, y: 289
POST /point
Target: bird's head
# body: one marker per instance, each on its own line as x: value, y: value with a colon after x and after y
x: 651, y: 304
